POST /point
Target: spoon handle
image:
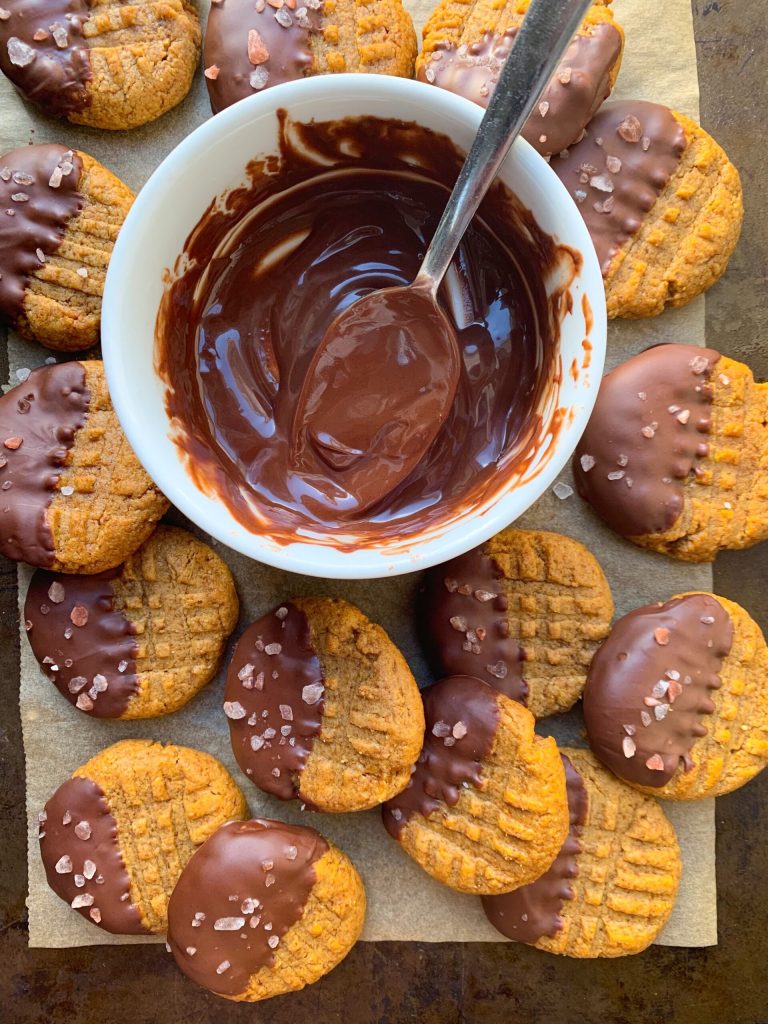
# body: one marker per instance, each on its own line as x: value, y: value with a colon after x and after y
x: 546, y: 31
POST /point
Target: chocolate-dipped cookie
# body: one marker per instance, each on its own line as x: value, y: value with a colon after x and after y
x: 73, y: 496
x: 60, y: 213
x: 675, y: 699
x: 612, y: 886
x: 323, y: 707
x: 251, y: 46
x: 115, y: 837
x: 264, y: 908
x: 98, y: 62
x: 464, y: 51
x: 485, y: 810
x: 675, y: 454
x: 661, y: 201
x: 525, y: 612
x: 140, y: 640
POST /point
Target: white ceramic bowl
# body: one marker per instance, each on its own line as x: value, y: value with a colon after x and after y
x: 213, y: 159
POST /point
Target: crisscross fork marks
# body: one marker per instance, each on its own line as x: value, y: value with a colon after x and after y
x: 365, y: 35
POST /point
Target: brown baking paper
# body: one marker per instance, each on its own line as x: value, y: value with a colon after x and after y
x: 403, y: 902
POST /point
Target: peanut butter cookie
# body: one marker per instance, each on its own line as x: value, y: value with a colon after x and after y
x: 675, y: 455
x: 612, y: 887
x: 63, y: 213
x: 99, y: 62
x: 525, y: 612
x: 140, y: 640
x: 486, y: 808
x: 249, y: 47
x: 322, y: 706
x: 264, y: 908
x: 115, y: 837
x: 467, y: 42
x: 662, y: 203
x: 74, y: 498
x: 675, y: 702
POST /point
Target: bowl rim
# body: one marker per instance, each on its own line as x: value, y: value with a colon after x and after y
x: 305, y: 556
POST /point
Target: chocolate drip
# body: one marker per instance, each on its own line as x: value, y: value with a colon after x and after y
x: 44, y: 53
x: 534, y: 911
x: 247, y: 49
x: 237, y: 897
x: 577, y: 89
x: 650, y: 686
x: 33, y: 213
x: 465, y: 626
x: 616, y: 173
x: 86, y: 648
x: 274, y: 700
x: 82, y: 858
x: 646, y: 436
x: 38, y: 423
x: 462, y: 716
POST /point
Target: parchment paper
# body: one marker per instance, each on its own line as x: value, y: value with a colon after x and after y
x: 657, y: 66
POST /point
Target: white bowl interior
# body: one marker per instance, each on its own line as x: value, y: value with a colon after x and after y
x: 212, y: 160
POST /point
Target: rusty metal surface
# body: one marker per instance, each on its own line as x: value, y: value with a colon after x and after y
x: 393, y: 983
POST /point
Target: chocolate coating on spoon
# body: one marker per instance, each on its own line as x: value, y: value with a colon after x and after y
x: 462, y: 716
x: 237, y: 897
x: 577, y: 89
x: 82, y: 858
x: 250, y: 46
x: 44, y: 53
x: 650, y: 687
x: 85, y: 646
x: 465, y: 626
x: 274, y: 700
x: 37, y: 200
x: 534, y: 911
x: 38, y: 423
x: 616, y: 173
x: 647, y: 435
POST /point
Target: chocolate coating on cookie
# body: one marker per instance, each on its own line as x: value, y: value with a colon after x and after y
x: 646, y: 436
x: 462, y: 716
x: 37, y: 200
x: 465, y: 627
x: 251, y: 46
x: 650, y: 687
x: 581, y: 83
x: 44, y: 53
x: 85, y: 646
x: 618, y: 170
x: 529, y: 913
x: 274, y: 700
x: 38, y: 423
x: 237, y: 897
x: 82, y: 859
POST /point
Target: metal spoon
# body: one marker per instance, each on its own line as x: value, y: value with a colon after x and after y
x: 384, y: 376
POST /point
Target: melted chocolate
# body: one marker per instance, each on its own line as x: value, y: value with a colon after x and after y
x: 236, y: 333
x: 369, y: 428
x: 616, y: 173
x: 534, y: 911
x: 649, y: 687
x: 38, y: 423
x: 462, y: 715
x: 646, y: 436
x: 465, y: 626
x: 44, y: 53
x: 237, y: 897
x: 82, y: 859
x: 85, y: 647
x: 33, y: 214
x: 247, y: 49
x: 577, y: 89
x: 274, y: 700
